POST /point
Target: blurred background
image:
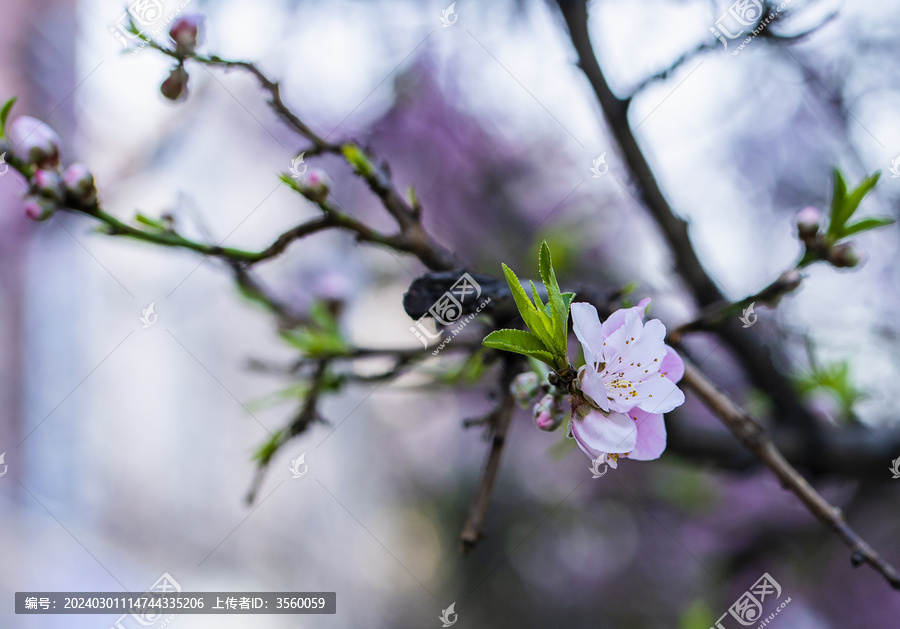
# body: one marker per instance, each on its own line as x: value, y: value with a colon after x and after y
x: 130, y: 448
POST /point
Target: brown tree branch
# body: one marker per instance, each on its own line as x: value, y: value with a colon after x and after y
x: 754, y: 355
x: 755, y: 439
x: 499, y: 421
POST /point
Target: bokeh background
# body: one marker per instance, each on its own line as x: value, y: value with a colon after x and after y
x: 129, y: 449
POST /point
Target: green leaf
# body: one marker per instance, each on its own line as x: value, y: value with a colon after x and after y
x: 538, y: 302
x: 867, y: 224
x: 856, y: 197
x: 528, y: 310
x: 4, y: 114
x: 316, y: 343
x: 520, y: 342
x: 290, y: 181
x: 838, y: 199
x: 150, y: 222
x: 844, y: 204
x: 558, y: 308
x: 568, y: 298
x: 358, y: 159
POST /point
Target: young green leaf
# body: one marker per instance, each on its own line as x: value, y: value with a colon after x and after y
x: 867, y: 224
x: 520, y: 342
x: 527, y: 309
x: 4, y: 114
x: 558, y: 309
x: 150, y: 222
x: 357, y: 158
x: 844, y: 204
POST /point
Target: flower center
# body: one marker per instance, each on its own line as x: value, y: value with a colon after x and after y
x: 622, y: 387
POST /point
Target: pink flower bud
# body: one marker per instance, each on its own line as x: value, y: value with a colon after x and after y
x: 316, y: 186
x: 548, y: 413
x: 808, y: 221
x: 79, y: 184
x: 187, y: 32
x: 35, y: 142
x: 38, y: 209
x: 47, y: 185
x: 175, y: 87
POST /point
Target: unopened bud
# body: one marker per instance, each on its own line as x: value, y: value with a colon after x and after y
x: 175, y: 87
x: 843, y: 256
x: 79, y: 184
x: 525, y: 388
x: 35, y: 142
x: 316, y: 186
x: 186, y: 32
x: 548, y: 413
x: 809, y: 219
x: 38, y: 209
x: 791, y: 279
x: 47, y: 185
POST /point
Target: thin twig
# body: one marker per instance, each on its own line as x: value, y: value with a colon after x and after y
x: 500, y: 419
x: 712, y: 316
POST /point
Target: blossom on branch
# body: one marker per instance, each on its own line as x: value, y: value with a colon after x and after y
x: 628, y: 382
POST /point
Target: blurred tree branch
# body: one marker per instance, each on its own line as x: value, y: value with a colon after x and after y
x: 314, y: 369
x: 754, y: 356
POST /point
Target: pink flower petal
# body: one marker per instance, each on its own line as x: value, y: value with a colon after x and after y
x: 617, y: 319
x: 622, y: 337
x: 598, y: 433
x: 672, y: 365
x: 651, y: 435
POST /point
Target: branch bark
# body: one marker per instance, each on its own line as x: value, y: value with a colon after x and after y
x: 499, y: 421
x: 754, y: 355
x: 755, y: 439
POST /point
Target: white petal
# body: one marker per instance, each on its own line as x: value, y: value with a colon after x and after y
x: 658, y: 394
x: 645, y: 356
x: 623, y: 336
x: 591, y: 384
x: 615, y: 433
x: 586, y: 323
